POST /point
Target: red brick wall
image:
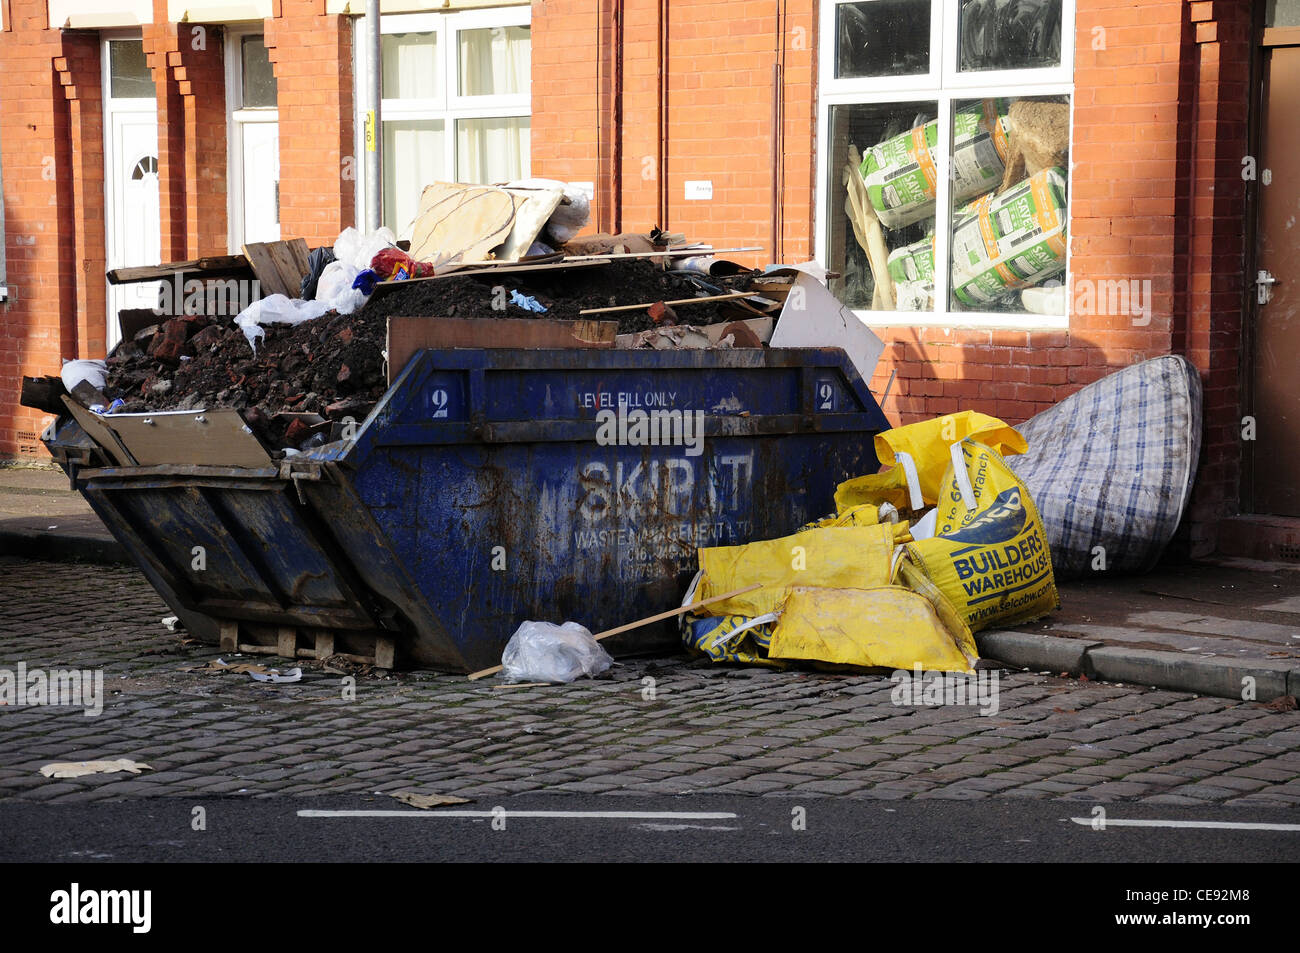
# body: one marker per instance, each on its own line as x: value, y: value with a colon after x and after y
x: 187, y: 61
x: 312, y: 57
x: 718, y: 95
x: 51, y: 145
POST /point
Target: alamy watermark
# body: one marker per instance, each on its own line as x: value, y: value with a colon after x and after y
x: 919, y: 687
x: 224, y: 298
x: 651, y: 428
x: 70, y: 688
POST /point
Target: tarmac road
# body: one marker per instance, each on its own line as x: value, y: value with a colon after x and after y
x: 695, y: 828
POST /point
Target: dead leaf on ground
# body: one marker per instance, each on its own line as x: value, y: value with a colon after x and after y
x: 75, y: 769
x: 1281, y: 703
x: 426, y: 801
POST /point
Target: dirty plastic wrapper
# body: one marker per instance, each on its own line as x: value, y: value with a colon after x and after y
x: 1010, y: 241
x: 544, y: 652
x: 901, y: 175
x: 990, y: 554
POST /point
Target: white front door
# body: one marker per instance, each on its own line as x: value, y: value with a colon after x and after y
x: 132, y: 223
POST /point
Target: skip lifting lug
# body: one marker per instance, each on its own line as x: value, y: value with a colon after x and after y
x: 298, y: 472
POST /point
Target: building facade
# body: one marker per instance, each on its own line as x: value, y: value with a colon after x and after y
x: 139, y: 131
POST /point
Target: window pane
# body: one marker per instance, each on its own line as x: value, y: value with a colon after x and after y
x: 259, y: 78
x: 882, y: 205
x: 491, y: 150
x: 1282, y: 13
x: 411, y: 66
x: 128, y: 70
x: 1009, y: 225
x: 495, y: 61
x: 1010, y: 34
x: 413, y: 158
x: 882, y: 38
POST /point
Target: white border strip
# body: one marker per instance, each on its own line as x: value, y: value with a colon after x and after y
x: 602, y: 815
x: 1101, y: 824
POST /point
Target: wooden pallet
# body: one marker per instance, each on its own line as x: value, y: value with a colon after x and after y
x: 319, y: 645
x: 279, y: 266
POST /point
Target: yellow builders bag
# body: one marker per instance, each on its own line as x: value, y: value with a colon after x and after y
x: 885, y: 627
x: 840, y: 557
x: 918, y: 457
x: 989, y: 553
x: 738, y: 630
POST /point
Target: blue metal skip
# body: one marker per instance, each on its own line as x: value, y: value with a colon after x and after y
x: 477, y: 495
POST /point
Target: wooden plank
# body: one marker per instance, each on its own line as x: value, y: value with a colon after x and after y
x: 672, y: 304
x: 266, y: 270
x: 675, y: 253
x: 286, y: 638
x: 286, y: 263
x: 406, y: 335
x: 229, y: 640
x: 131, y: 321
x: 385, y: 651
x: 505, y: 268
x: 324, y: 646
x: 212, y: 437
x: 301, y: 254
x: 212, y: 265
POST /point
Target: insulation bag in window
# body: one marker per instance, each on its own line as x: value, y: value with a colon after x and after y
x: 914, y: 262
x: 912, y: 268
x: 989, y: 555
x: 1010, y: 241
x: 900, y: 173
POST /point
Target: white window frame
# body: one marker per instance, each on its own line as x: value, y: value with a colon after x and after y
x: 944, y: 84
x: 236, y: 119
x: 451, y: 106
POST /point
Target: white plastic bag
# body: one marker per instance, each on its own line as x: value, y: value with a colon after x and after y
x: 335, y: 288
x: 567, y: 220
x: 276, y: 309
x: 543, y: 652
x: 95, y: 373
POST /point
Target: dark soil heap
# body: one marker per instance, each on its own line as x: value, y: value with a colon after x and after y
x: 334, y: 365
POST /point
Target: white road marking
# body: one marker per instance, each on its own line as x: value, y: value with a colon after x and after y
x: 602, y: 815
x: 1101, y: 824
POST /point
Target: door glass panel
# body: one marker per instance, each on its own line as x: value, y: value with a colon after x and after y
x: 259, y: 77
x: 1010, y: 34
x: 882, y: 38
x: 411, y: 68
x: 128, y: 70
x: 492, y: 150
x: 882, y: 204
x: 495, y: 61
x: 261, y: 181
x: 413, y: 158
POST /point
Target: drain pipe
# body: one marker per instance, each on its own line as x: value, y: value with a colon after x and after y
x: 373, y: 132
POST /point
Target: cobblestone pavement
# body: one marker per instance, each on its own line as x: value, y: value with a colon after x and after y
x: 700, y: 729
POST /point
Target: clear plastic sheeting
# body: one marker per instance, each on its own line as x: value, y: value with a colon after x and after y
x: 545, y: 652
